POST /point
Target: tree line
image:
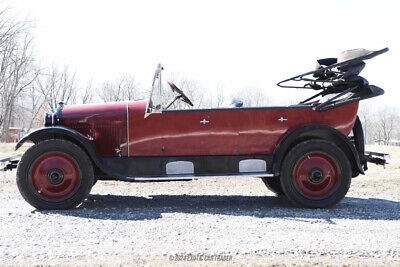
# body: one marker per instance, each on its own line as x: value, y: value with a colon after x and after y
x: 27, y: 89
x: 380, y: 125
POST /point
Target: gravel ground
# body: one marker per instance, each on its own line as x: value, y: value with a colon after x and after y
x: 152, y: 221
x: 147, y: 223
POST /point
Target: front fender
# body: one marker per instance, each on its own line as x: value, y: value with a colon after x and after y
x: 46, y: 132
x: 59, y: 132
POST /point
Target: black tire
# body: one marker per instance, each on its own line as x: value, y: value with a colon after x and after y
x: 71, y: 171
x: 315, y: 174
x: 273, y: 184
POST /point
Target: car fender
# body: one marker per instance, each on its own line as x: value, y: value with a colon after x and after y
x: 59, y: 132
x: 316, y: 131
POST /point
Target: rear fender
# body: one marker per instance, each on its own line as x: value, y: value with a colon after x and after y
x: 316, y: 131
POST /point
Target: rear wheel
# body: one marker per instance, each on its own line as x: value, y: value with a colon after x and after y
x: 55, y: 174
x: 273, y: 184
x: 315, y: 174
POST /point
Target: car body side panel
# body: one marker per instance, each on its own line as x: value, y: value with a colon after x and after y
x: 145, y: 134
x: 242, y: 131
x: 261, y: 130
x: 200, y: 133
x: 105, y: 125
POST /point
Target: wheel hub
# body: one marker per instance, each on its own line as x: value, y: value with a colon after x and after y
x: 55, y: 176
x: 316, y: 175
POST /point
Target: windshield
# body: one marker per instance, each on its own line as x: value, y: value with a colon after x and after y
x: 159, y: 100
x: 154, y: 105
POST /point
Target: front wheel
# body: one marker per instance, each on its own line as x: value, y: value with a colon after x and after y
x: 55, y: 174
x: 315, y: 174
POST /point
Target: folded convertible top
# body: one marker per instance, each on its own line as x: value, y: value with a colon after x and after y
x: 338, y: 80
x: 330, y: 70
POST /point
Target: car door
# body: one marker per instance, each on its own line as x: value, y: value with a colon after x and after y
x: 261, y: 130
x: 145, y: 133
x: 199, y: 132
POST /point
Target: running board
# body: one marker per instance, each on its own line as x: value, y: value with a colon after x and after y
x: 186, y: 177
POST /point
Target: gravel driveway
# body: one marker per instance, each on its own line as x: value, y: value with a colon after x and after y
x: 149, y: 222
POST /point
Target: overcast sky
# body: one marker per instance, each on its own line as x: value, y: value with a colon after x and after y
x: 235, y: 44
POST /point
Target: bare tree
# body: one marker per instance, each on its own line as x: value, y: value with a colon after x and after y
x: 252, y: 97
x: 10, y: 29
x: 386, y: 123
x: 131, y: 89
x: 366, y: 120
x: 87, y: 94
x: 58, y: 86
x: 220, y: 98
x: 31, y: 107
x: 124, y: 88
x: 16, y: 75
x: 108, y: 92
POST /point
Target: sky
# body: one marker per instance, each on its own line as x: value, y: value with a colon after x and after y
x: 230, y: 44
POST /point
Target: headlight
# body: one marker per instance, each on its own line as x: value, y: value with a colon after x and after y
x: 48, y: 119
x: 52, y: 119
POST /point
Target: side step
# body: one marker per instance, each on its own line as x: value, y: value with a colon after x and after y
x: 186, y: 177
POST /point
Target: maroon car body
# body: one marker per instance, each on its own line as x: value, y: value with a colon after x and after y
x: 229, y: 131
x: 307, y: 151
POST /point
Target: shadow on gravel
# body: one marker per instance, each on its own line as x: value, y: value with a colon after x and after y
x: 114, y: 207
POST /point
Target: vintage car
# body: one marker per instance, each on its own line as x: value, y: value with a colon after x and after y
x: 309, y: 151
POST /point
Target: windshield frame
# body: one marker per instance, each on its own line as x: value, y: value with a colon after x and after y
x: 150, y: 107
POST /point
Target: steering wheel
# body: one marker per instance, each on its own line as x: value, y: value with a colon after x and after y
x: 181, y: 95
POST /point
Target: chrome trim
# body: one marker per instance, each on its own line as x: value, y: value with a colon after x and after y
x: 252, y: 165
x: 282, y: 119
x: 155, y: 179
x: 179, y: 167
